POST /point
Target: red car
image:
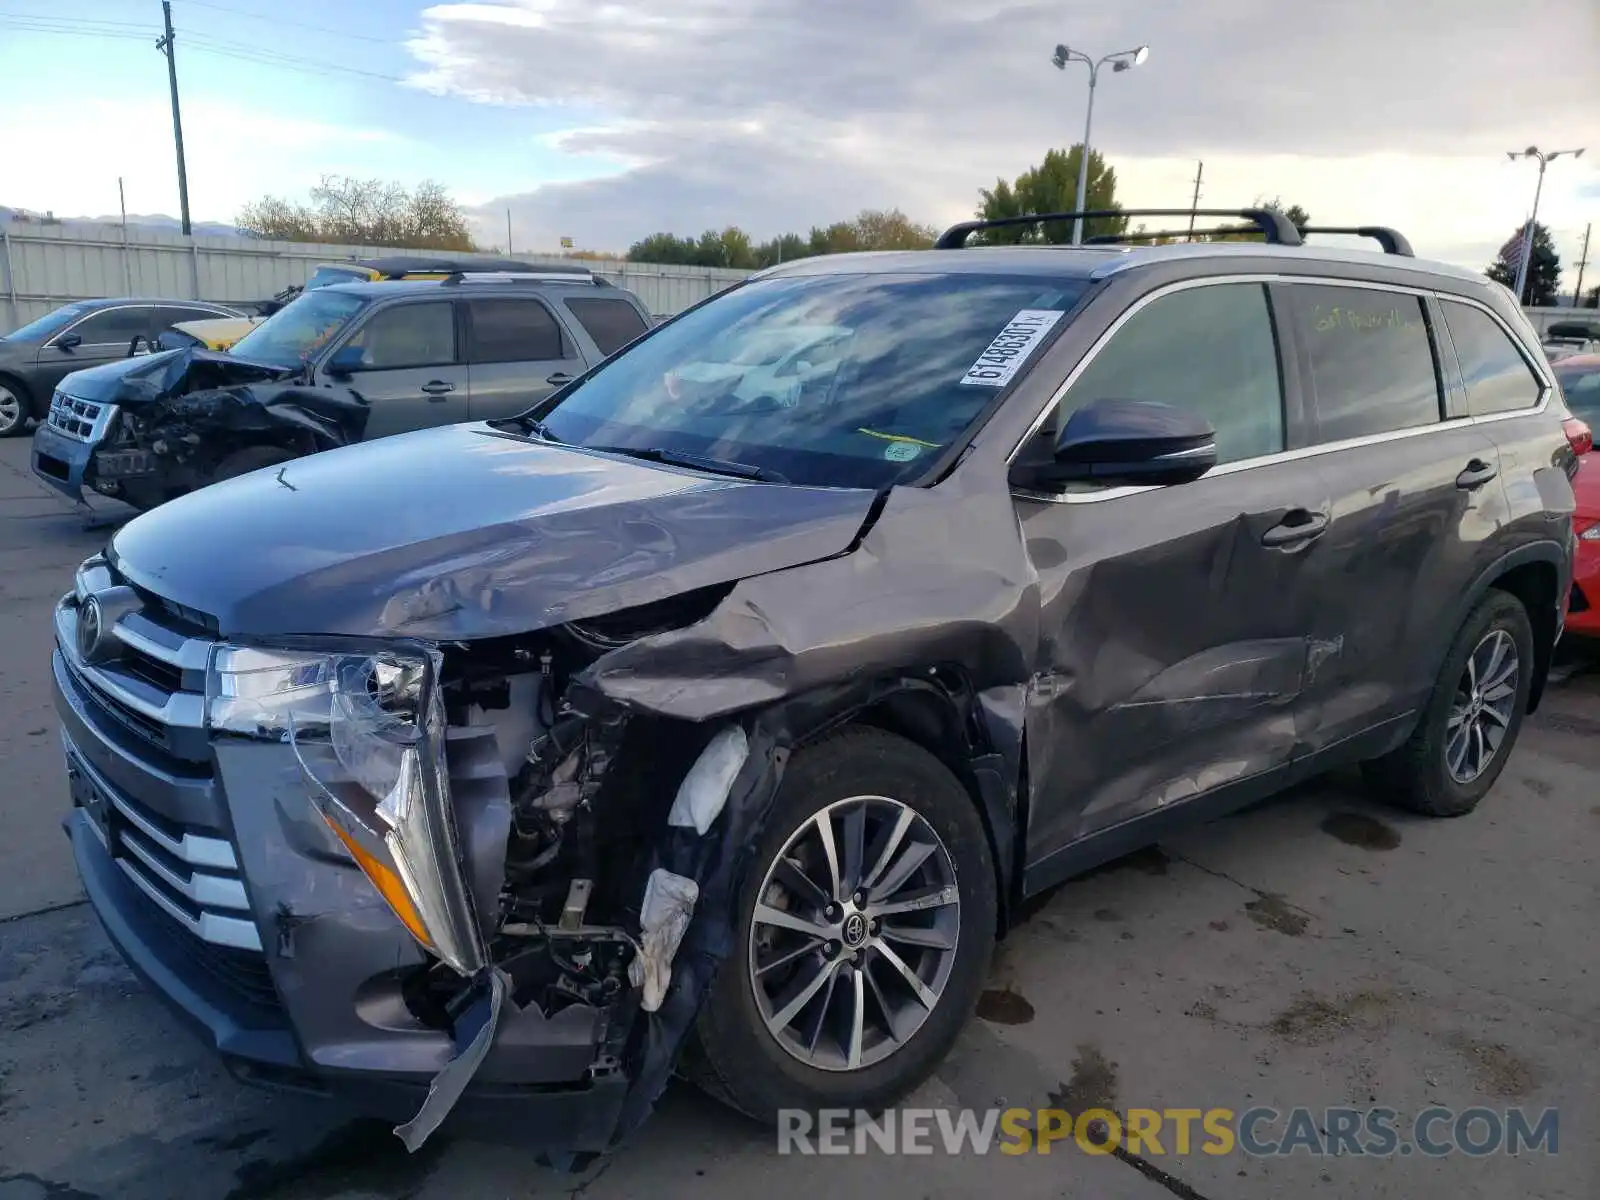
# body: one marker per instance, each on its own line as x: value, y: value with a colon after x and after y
x: 1579, y: 376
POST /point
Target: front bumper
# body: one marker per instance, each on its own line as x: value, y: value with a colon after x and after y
x: 61, y: 461
x: 311, y: 999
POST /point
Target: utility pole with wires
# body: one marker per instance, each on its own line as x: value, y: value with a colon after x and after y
x: 1199, y: 173
x: 1583, y: 261
x: 508, y: 233
x: 167, y: 46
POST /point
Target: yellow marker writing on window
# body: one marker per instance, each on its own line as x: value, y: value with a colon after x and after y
x: 899, y: 437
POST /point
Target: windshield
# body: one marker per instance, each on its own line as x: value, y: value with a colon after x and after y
x: 297, y: 331
x: 37, y: 331
x: 1580, y: 384
x: 832, y: 380
x: 323, y: 276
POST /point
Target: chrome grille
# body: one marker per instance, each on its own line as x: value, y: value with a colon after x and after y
x: 151, y: 683
x: 194, y: 878
x: 82, y: 420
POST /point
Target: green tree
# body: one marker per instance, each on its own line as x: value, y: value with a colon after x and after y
x: 1052, y: 186
x: 1544, y: 273
x: 1592, y: 298
x: 363, y: 212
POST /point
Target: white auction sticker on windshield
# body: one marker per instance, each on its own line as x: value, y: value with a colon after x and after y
x: 999, y: 363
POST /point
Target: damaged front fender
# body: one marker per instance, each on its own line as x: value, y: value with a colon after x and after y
x: 182, y: 414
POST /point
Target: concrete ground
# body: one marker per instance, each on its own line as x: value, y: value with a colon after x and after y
x: 1316, y: 951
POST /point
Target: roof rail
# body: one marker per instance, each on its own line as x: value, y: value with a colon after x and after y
x: 1392, y: 241
x: 586, y: 278
x: 1271, y: 224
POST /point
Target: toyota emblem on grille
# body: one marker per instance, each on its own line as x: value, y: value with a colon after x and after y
x: 90, y: 629
x: 98, y: 614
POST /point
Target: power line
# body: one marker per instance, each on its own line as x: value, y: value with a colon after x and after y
x: 73, y: 29
x: 277, y: 20
x: 271, y: 58
x: 57, y: 18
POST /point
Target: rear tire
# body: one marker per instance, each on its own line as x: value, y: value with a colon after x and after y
x: 252, y: 458
x: 1467, y: 732
x: 872, y: 1034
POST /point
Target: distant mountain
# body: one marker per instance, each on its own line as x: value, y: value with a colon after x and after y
x: 143, y: 220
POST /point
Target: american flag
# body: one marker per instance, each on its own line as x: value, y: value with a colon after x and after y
x: 1511, y: 252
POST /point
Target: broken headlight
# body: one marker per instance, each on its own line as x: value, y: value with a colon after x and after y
x: 369, y: 731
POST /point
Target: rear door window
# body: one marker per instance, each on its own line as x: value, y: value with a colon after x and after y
x: 1497, y: 376
x: 114, y: 326
x: 508, y: 330
x: 1370, y: 359
x: 612, y: 322
x: 1209, y: 349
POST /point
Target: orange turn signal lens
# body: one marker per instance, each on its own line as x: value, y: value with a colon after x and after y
x: 387, y: 883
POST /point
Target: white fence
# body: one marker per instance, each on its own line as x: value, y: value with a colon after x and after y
x: 44, y: 266
x: 1543, y: 318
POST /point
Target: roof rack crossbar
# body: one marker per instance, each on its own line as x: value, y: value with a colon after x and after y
x: 1392, y: 241
x: 1150, y: 235
x: 1271, y: 224
x: 585, y: 278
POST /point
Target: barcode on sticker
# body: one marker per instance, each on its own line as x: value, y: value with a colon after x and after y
x: 1004, y: 356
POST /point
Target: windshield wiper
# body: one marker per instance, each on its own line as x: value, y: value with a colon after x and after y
x: 681, y: 458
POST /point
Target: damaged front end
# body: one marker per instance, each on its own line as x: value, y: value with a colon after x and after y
x: 179, y: 418
x: 546, y: 851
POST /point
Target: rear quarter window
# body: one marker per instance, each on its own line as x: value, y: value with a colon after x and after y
x: 611, y: 321
x: 1369, y: 358
x: 1497, y: 376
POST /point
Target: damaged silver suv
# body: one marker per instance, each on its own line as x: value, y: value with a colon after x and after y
x: 717, y: 713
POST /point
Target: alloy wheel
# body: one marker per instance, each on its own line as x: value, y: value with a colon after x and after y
x: 11, y: 414
x: 1480, y: 714
x: 854, y: 933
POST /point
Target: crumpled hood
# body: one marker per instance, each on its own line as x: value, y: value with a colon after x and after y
x: 462, y: 532
x: 148, y: 377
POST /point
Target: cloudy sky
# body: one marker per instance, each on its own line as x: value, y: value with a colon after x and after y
x: 604, y: 120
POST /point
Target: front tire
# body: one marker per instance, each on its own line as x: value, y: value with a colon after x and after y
x: 863, y: 930
x: 1467, y: 731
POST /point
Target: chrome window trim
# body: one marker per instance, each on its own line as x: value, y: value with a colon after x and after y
x: 1282, y: 456
x: 1542, y: 371
x: 152, y: 305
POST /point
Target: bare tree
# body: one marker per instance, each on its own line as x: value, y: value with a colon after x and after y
x: 371, y: 212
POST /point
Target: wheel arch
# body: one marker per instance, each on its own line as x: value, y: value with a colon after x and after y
x: 1533, y: 574
x: 937, y: 712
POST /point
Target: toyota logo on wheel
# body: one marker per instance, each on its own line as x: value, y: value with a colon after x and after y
x: 855, y: 929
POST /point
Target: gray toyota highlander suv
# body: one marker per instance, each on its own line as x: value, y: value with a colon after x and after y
x: 718, y: 712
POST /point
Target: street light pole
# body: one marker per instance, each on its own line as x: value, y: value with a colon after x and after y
x: 1122, y: 60
x: 1538, y: 190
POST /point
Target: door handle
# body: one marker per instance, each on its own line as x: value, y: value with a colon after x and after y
x: 437, y: 389
x: 1476, y: 474
x: 1299, y: 525
x: 559, y: 378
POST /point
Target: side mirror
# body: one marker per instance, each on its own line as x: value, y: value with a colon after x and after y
x: 347, y: 360
x: 1122, y: 443
x: 68, y: 342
